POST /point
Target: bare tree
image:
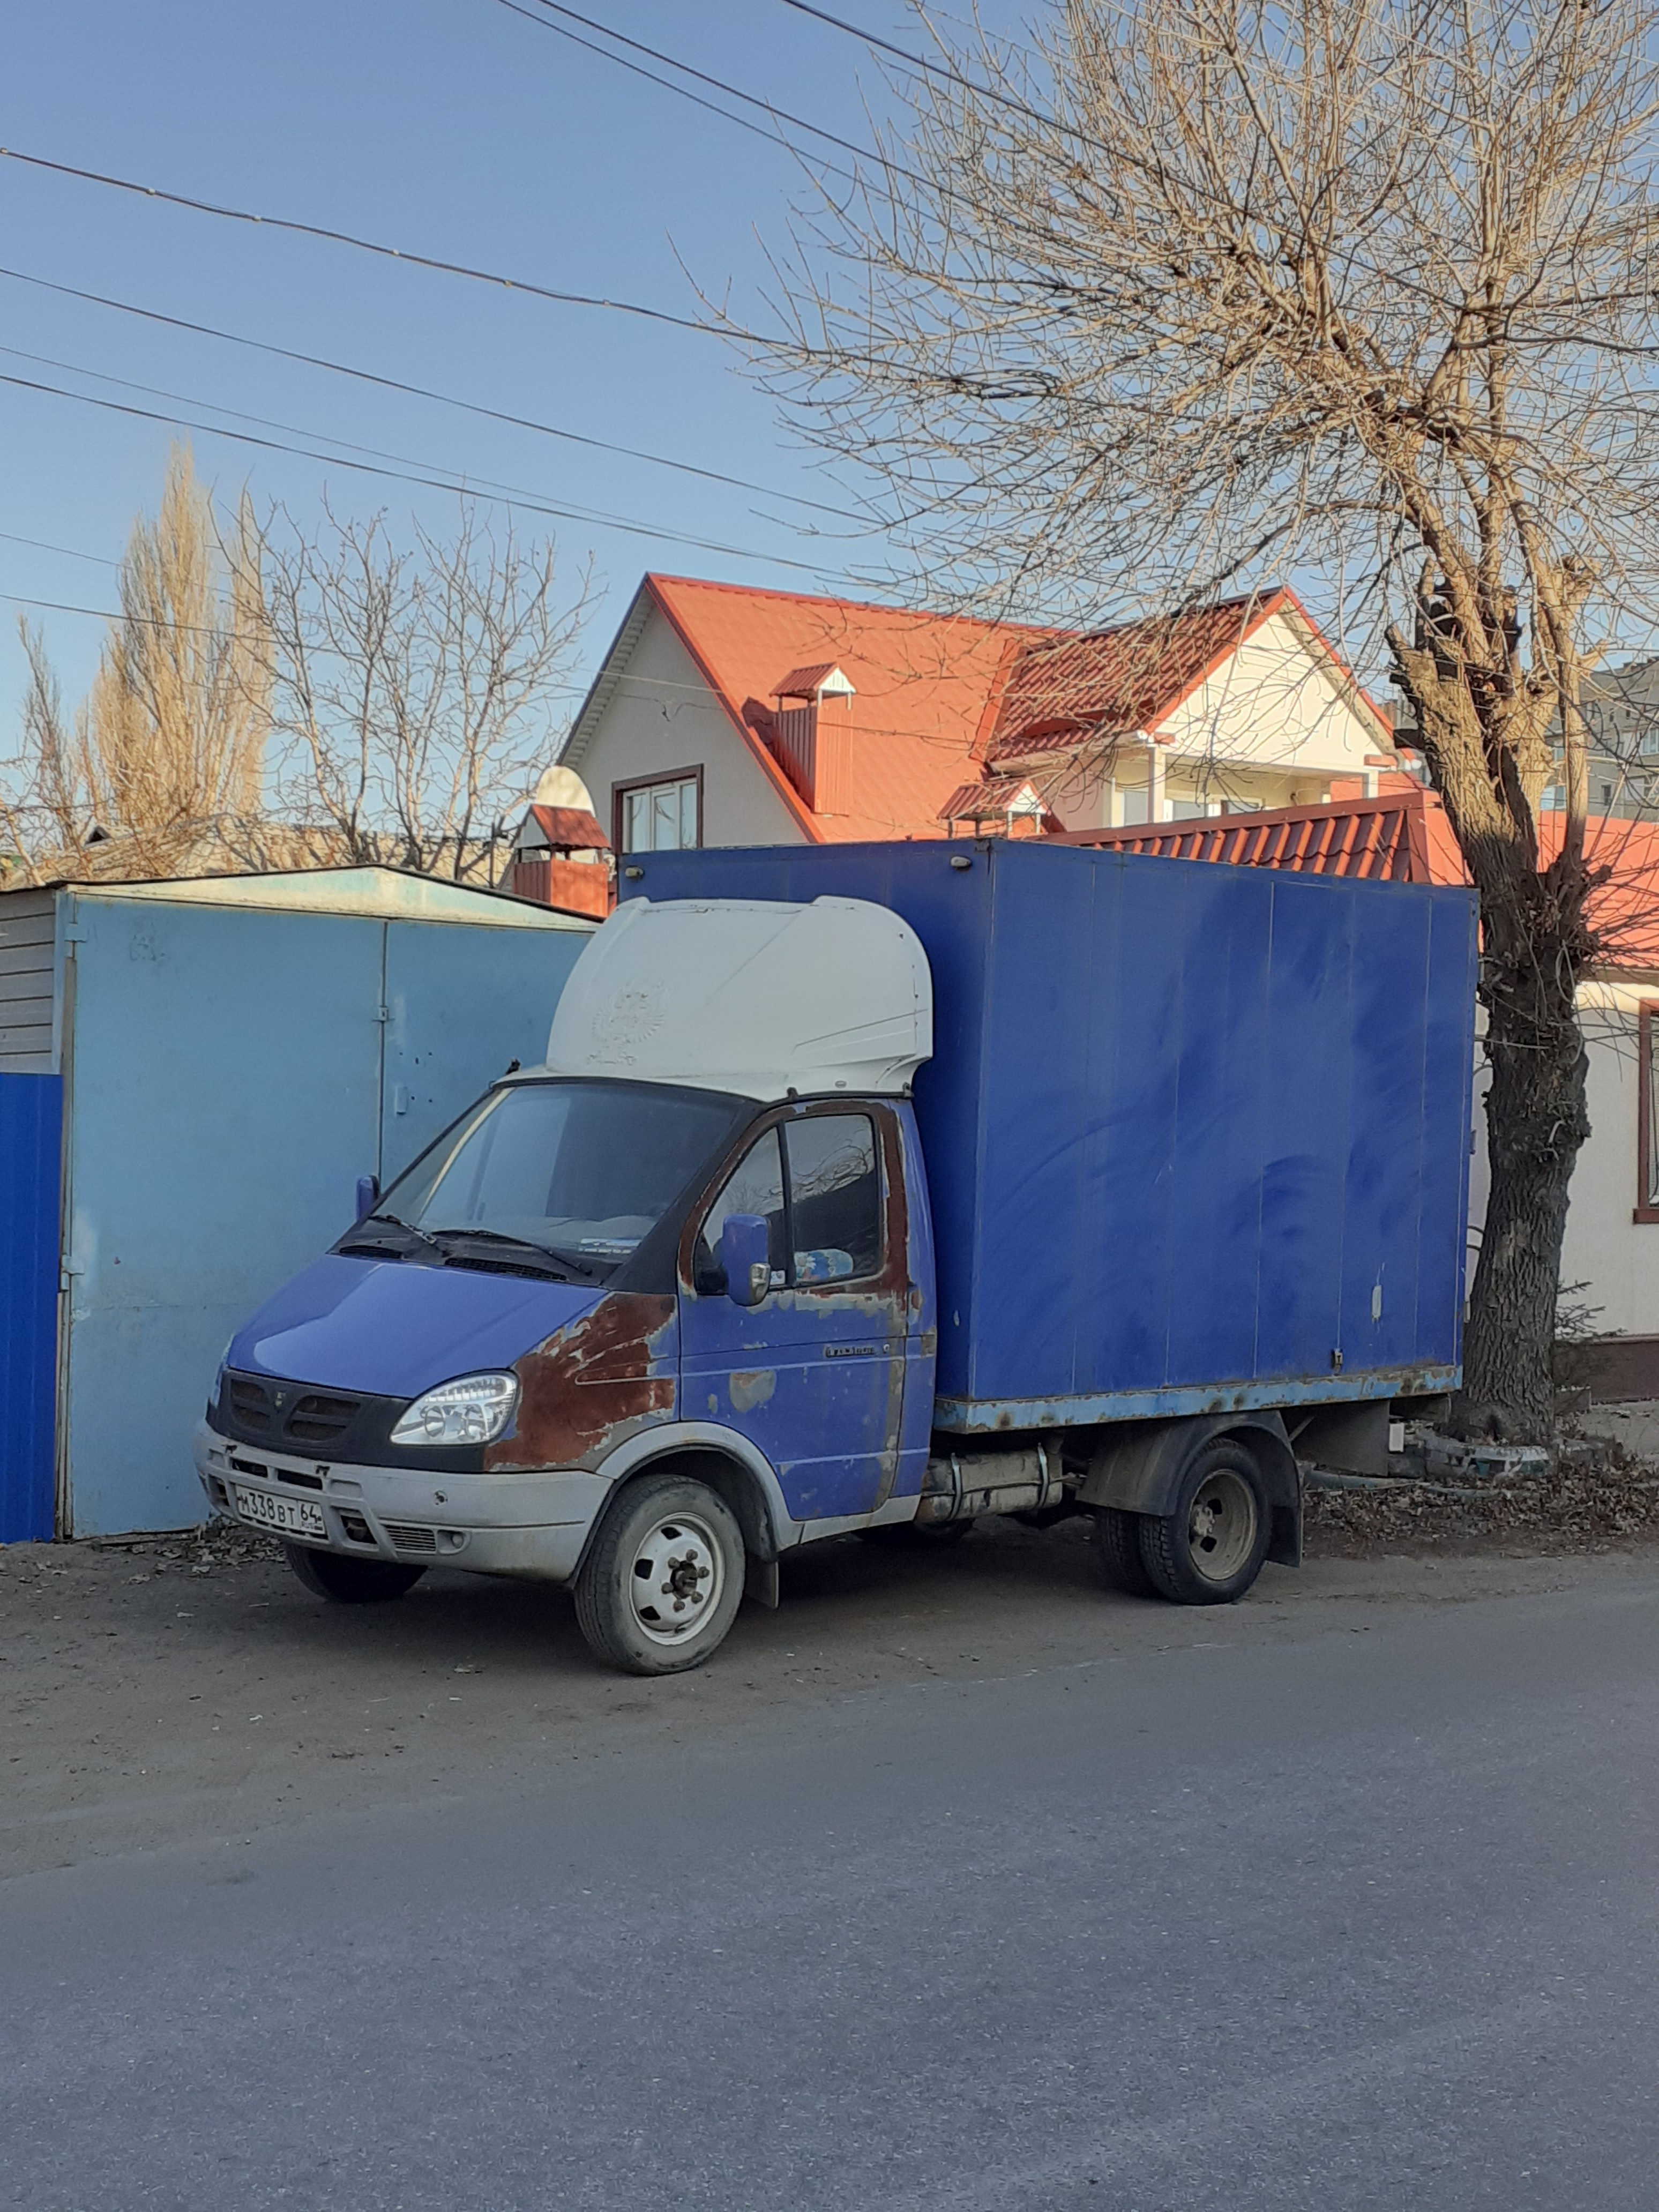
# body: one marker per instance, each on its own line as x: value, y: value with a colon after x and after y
x: 409, y: 689
x: 1196, y: 293
x: 170, y: 740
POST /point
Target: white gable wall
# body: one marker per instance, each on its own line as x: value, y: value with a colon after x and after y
x: 663, y: 718
x: 1278, y: 701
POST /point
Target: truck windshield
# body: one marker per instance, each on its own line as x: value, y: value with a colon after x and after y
x: 581, y: 1169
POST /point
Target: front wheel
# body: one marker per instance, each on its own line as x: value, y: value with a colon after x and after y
x: 664, y: 1580
x: 1210, y: 1549
x: 349, y: 1582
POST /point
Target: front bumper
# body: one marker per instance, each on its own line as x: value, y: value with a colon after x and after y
x: 533, y: 1525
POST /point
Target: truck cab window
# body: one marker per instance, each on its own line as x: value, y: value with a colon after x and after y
x: 755, y: 1186
x: 835, y: 1198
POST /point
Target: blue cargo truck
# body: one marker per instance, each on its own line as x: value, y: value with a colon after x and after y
x: 876, y: 1189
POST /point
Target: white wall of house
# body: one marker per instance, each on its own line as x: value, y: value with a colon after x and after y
x: 1278, y: 701
x: 1091, y: 798
x: 1271, y: 727
x: 1614, y: 1256
x: 662, y: 718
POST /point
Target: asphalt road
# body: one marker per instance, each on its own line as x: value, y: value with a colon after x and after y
x: 1347, y: 1907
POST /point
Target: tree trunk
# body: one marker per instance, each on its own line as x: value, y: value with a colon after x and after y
x: 1536, y: 1120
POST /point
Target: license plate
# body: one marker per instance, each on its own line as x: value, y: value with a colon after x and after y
x: 296, y: 1516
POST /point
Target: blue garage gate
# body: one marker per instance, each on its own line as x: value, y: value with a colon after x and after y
x: 215, y: 1063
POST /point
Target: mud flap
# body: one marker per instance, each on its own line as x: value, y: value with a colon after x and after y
x: 760, y: 1581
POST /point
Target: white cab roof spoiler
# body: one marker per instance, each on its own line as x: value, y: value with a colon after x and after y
x: 749, y: 995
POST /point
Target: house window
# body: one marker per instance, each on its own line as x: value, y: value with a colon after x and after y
x: 662, y: 816
x: 1646, y: 1111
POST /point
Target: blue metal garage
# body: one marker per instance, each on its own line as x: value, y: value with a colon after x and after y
x: 192, y: 1077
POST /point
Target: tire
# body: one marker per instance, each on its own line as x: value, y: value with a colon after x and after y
x: 1210, y: 1549
x: 349, y: 1582
x: 916, y: 1536
x: 1117, y: 1552
x: 664, y: 1578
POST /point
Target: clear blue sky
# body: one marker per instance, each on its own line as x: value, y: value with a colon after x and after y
x: 450, y: 127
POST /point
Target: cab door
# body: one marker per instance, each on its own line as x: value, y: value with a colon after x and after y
x: 813, y: 1375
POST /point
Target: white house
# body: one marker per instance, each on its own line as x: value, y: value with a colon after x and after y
x: 724, y: 715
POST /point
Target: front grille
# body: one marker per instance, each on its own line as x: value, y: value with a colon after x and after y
x: 250, y: 1402
x: 407, y: 1538
x: 285, y: 1414
x: 317, y: 1420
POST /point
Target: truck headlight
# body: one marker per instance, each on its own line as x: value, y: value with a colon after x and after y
x: 473, y: 1410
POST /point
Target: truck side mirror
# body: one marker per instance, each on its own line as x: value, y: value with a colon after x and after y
x: 746, y: 1256
x: 368, y: 1196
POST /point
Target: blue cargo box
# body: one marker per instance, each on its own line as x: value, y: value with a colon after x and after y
x: 1198, y: 1137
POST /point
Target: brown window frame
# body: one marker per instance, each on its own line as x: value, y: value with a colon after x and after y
x: 1646, y: 1009
x: 619, y: 792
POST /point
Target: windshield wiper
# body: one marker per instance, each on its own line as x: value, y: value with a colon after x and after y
x: 397, y: 1222
x: 568, y: 1270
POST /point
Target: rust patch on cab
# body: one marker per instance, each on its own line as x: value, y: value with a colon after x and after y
x: 594, y: 1384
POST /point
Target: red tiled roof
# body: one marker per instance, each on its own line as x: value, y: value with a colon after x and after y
x: 1131, y: 678
x: 1124, y: 679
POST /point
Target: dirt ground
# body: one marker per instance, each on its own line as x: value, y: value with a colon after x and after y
x: 182, y: 1689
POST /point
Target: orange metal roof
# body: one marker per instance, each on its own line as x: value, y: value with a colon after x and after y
x: 922, y: 685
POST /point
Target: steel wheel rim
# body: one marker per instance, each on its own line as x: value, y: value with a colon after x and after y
x: 1221, y: 1526
x: 675, y: 1578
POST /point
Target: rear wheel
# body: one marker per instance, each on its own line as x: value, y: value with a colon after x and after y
x: 664, y: 1580
x: 349, y: 1582
x: 1210, y: 1549
x: 1117, y: 1552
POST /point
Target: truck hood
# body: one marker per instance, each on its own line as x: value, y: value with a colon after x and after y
x: 391, y: 1329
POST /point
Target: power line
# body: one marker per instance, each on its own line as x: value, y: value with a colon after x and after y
x: 530, y: 503
x: 701, y: 76
x: 368, y: 245
x: 442, y: 398
x: 872, y: 156
x: 945, y: 69
x: 70, y: 552
x: 602, y: 517
x: 105, y: 614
